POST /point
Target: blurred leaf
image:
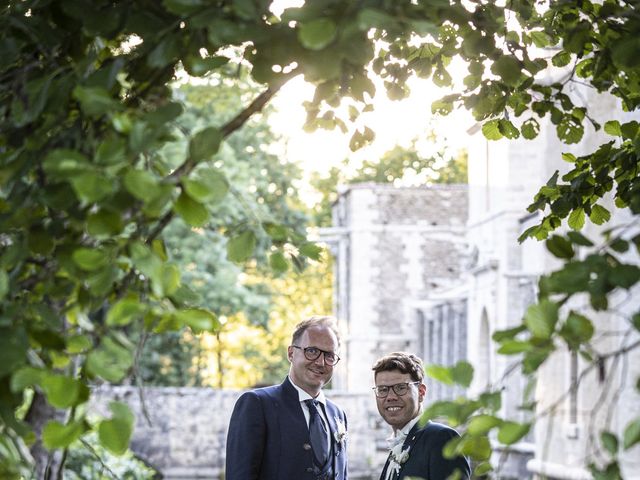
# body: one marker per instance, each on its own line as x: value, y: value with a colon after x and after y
x: 205, y: 144
x: 317, y: 34
x: 193, y: 212
x: 511, y: 432
x: 560, y: 247
x: 198, y: 319
x: 125, y: 311
x: 56, y: 435
x: 609, y: 442
x: 241, y: 247
x: 631, y: 434
x: 541, y: 318
x: 278, y: 262
x: 482, y: 424
x: 440, y: 373
x: 462, y: 373
x: 110, y: 361
x: 114, y: 434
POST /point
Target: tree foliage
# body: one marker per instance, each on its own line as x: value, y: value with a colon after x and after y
x: 87, y: 187
x: 406, y: 166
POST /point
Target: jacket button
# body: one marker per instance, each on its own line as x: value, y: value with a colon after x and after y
x: 306, y: 446
x: 309, y: 469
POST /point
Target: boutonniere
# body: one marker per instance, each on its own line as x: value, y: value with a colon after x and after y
x: 397, y: 457
x: 340, y: 434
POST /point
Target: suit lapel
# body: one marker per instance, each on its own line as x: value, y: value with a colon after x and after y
x: 409, y: 442
x: 383, y: 475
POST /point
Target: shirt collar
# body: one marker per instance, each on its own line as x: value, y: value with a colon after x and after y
x: 398, y: 436
x: 302, y: 395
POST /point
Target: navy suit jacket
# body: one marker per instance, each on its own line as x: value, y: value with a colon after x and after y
x: 425, y: 454
x: 268, y: 437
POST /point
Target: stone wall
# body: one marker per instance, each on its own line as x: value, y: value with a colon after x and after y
x: 183, y: 433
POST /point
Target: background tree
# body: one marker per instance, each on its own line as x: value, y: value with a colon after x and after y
x: 399, y: 166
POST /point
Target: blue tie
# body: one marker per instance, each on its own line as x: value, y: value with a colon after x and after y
x: 318, y: 435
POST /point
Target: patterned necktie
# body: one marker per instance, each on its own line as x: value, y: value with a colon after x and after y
x: 317, y: 434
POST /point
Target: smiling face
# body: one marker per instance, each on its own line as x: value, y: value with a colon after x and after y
x: 396, y: 410
x: 312, y: 375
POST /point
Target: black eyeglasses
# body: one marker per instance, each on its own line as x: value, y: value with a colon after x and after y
x: 399, y: 389
x: 312, y: 353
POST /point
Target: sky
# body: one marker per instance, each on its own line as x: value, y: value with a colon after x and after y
x: 395, y: 123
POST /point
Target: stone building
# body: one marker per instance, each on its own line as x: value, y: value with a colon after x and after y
x: 400, y: 254
x: 437, y: 270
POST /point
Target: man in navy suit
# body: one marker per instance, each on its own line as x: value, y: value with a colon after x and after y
x: 291, y: 431
x: 415, y: 451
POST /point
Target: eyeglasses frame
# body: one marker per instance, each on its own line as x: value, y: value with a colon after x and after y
x: 322, y: 352
x: 393, y: 387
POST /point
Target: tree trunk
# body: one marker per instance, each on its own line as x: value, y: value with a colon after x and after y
x: 48, y: 465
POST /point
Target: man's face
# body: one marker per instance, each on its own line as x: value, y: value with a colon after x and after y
x: 397, y: 410
x: 312, y: 375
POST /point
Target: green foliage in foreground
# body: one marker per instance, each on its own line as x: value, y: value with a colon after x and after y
x: 86, y: 191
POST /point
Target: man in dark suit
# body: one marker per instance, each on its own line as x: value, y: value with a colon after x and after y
x: 415, y: 451
x: 291, y: 431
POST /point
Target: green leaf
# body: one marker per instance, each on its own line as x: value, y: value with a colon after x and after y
x: 90, y: 259
x: 63, y: 163
x: 278, y: 262
x: 509, y: 69
x: 481, y: 424
x: 491, y: 130
x: 440, y: 373
x: 508, y: 129
x: 92, y: 186
x: 631, y: 434
x: 205, y: 144
x: 510, y: 333
x: 317, y: 34
x: 478, y: 448
x: 4, y: 284
x: 194, y: 213
x: 198, y: 67
x: 510, y: 432
x: 95, y: 101
x: 241, y: 247
x: 514, y: 347
x: 110, y: 361
x: 114, y: 434
x: 170, y: 279
x: 609, y: 442
x: 576, y: 330
x: 482, y: 469
x: 576, y: 219
x: 311, y: 250
x: 462, y: 373
x: 541, y: 318
x: 208, y: 186
x: 530, y: 128
x: 599, y: 214
x: 164, y: 53
x: 125, y: 311
x: 560, y: 247
x: 579, y: 239
x: 26, y: 377
x: 183, y: 7
x: 63, y: 391
x: 104, y: 223
x: 612, y: 127
x: 561, y: 59
x: 142, y: 184
x: 56, y: 435
x: 198, y: 319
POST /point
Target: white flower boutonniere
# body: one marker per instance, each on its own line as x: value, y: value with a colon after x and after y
x: 340, y: 434
x: 398, y: 456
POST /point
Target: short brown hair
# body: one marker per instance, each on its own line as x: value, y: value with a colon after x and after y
x: 405, y: 362
x: 315, y: 321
